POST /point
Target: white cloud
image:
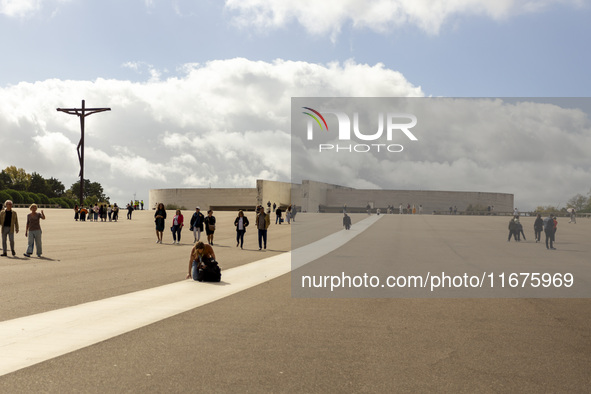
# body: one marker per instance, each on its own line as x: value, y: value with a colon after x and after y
x: 26, y: 8
x: 224, y: 122
x: 329, y: 16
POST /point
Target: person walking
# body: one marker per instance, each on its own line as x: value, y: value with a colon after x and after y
x: 347, y: 222
x: 549, y: 229
x: 159, y: 219
x: 263, y: 221
x: 33, y: 231
x: 513, y: 230
x: 241, y: 222
x: 209, y: 222
x: 129, y: 211
x: 573, y: 216
x: 197, y: 224
x: 278, y: 212
x: 9, y: 223
x: 177, y: 226
x: 76, y: 212
x: 538, y: 227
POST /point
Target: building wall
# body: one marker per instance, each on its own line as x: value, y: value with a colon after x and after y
x: 431, y: 200
x: 204, y: 198
x: 274, y: 192
x: 311, y: 194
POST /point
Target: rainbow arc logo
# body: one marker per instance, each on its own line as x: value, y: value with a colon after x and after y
x: 315, y: 118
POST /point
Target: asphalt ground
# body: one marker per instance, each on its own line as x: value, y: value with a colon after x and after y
x: 265, y: 340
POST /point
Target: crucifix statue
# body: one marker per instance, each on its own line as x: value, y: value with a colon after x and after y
x: 82, y: 113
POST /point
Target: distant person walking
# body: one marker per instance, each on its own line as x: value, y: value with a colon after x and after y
x: 197, y: 221
x: 347, y: 222
x: 33, y: 231
x: 177, y: 226
x: 241, y: 222
x: 278, y: 212
x: 159, y: 219
x: 573, y: 216
x: 209, y: 226
x: 129, y: 211
x: 538, y: 227
x: 9, y: 222
x: 263, y: 221
x: 76, y: 212
x: 513, y: 231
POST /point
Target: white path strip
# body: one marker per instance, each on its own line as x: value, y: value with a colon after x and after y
x: 33, y: 339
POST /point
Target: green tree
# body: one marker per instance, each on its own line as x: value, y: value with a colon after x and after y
x: 56, y: 188
x: 38, y: 184
x: 91, y: 189
x: 578, y: 202
x: 19, y: 178
x: 5, y: 181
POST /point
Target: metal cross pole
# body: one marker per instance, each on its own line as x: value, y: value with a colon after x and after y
x: 82, y: 113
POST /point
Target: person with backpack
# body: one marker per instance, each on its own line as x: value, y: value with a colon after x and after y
x: 513, y: 230
x: 203, y: 266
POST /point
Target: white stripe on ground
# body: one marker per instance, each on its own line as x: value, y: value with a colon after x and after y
x: 33, y: 339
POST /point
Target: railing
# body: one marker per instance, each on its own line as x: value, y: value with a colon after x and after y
x: 44, y: 206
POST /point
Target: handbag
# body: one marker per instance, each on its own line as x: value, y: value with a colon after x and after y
x: 211, y: 227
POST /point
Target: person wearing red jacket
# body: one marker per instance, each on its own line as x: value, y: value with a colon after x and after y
x: 177, y: 226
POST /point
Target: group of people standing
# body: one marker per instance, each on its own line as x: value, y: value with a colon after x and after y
x: 200, y: 223
x: 548, y: 225
x: 9, y: 222
x: 98, y: 212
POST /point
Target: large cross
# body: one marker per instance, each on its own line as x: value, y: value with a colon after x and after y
x: 82, y: 113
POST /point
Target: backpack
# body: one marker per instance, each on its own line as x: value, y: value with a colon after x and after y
x: 548, y: 224
x: 210, y: 273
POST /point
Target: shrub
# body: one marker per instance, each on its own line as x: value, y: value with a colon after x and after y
x: 16, y: 197
x: 4, y: 196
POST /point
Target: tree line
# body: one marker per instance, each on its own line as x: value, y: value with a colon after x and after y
x: 579, y: 202
x: 23, y: 188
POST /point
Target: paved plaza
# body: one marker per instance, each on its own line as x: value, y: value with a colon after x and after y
x: 262, y: 339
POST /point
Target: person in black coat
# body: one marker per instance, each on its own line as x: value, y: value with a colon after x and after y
x: 196, y: 223
x: 347, y: 222
x: 538, y: 227
x: 241, y: 223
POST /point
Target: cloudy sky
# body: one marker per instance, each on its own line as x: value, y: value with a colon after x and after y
x: 200, y: 91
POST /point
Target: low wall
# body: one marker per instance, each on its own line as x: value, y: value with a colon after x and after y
x: 205, y: 198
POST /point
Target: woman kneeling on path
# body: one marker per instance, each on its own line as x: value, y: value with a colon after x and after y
x: 202, y: 257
